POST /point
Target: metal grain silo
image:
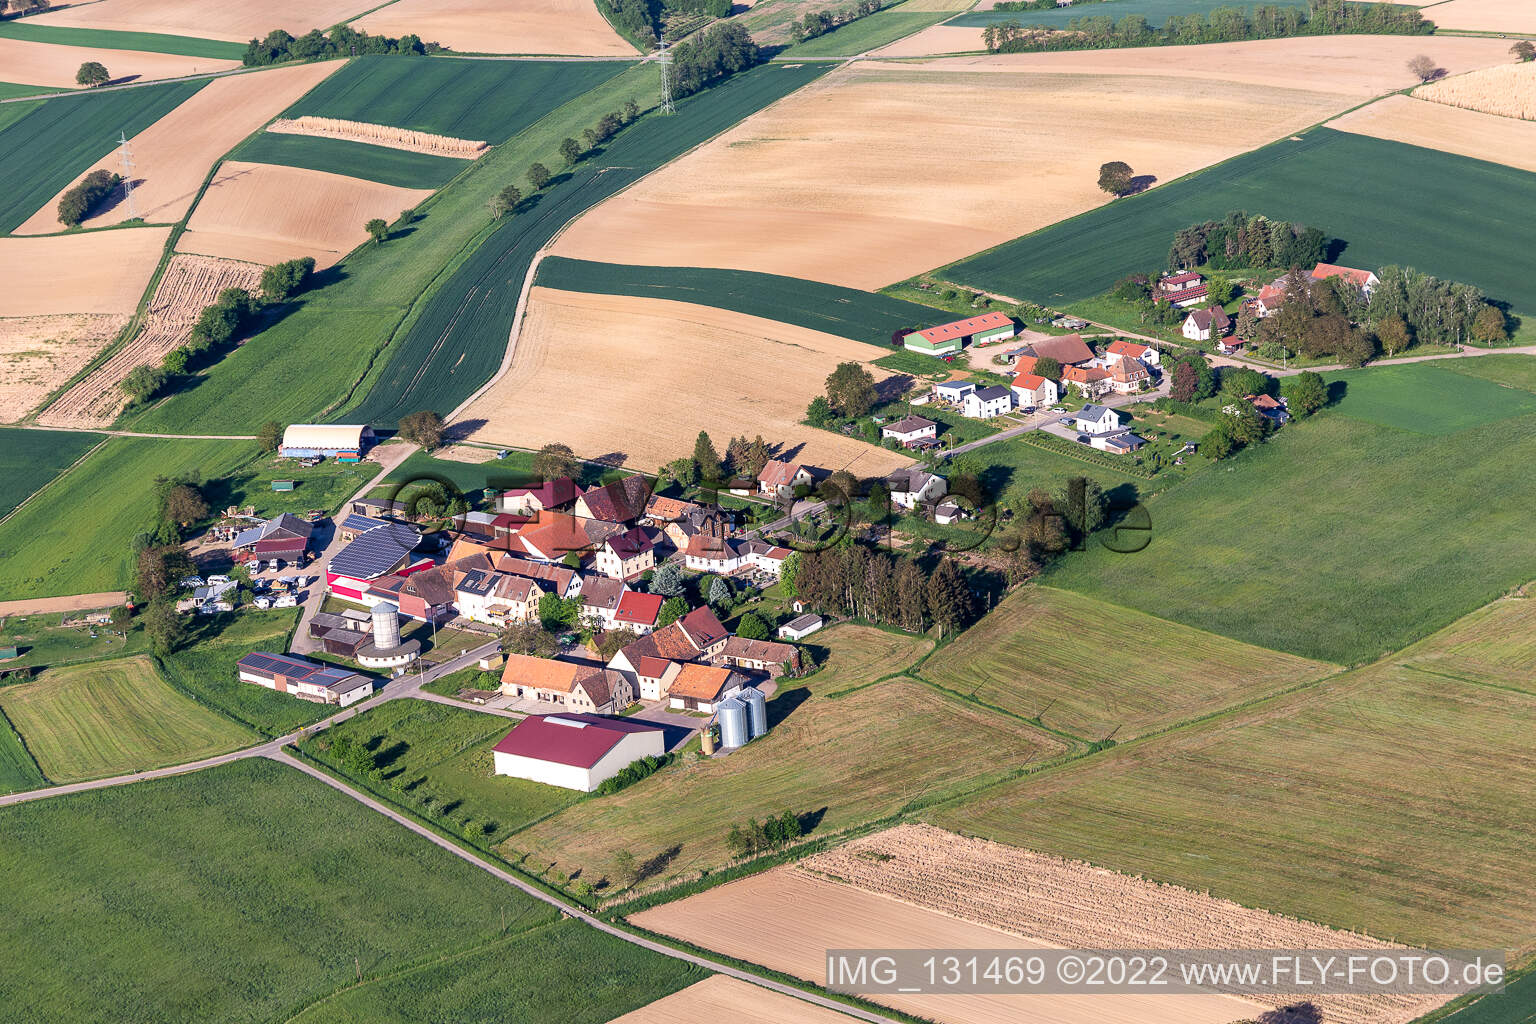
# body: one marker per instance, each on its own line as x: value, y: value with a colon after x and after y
x: 757, y: 711
x: 386, y: 626
x: 733, y: 722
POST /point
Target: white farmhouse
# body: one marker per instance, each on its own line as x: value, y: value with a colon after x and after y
x: 911, y: 487
x: 1098, y: 419
x: 1033, y: 390
x: 985, y: 403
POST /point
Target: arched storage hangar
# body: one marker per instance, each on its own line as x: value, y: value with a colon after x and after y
x: 306, y: 440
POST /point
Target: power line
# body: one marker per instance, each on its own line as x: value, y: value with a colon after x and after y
x: 664, y: 58
x: 125, y: 159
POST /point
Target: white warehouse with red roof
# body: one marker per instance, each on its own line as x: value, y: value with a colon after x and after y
x: 575, y: 751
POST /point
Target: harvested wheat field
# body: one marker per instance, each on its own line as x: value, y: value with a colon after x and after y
x: 265, y: 214
x: 1502, y: 140
x: 1508, y: 90
x: 879, y: 171
x: 99, y: 272
x: 556, y: 27
x: 173, y: 156
x: 54, y: 66
x: 1484, y: 15
x: 719, y: 998
x: 722, y: 371
x: 233, y: 22
x: 40, y: 353
x: 189, y: 284
x: 379, y: 135
x: 764, y: 919
x: 934, y: 41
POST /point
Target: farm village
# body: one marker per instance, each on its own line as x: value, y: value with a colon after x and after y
x: 559, y: 511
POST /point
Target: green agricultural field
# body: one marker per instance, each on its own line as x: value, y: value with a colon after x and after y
x: 1155, y: 11
x: 15, y: 111
x: 426, y: 750
x: 867, y: 33
x: 1337, y: 539
x: 1394, y: 396
x: 241, y: 893
x: 356, y: 159
x: 566, y: 973
x: 324, y: 487
x: 31, y: 458
x: 18, y: 771
x: 1099, y: 671
x: 841, y: 761
x: 308, y: 363
x: 1084, y: 256
x: 1373, y: 801
x: 43, y: 152
x: 845, y: 312
x: 77, y: 537
x: 1511, y: 371
x: 145, y: 42
x: 204, y: 669
x: 855, y: 655
x: 488, y: 100
x: 1515, y: 1005
x: 45, y: 640
x: 112, y: 717
x: 459, y: 336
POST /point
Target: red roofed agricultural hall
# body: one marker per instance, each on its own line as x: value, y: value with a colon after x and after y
x: 952, y: 337
x: 575, y: 751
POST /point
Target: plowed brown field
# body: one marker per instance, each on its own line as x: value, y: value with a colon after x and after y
x: 172, y: 157
x: 189, y: 284
x: 39, y: 353
x: 234, y: 22
x: 266, y: 214
x: 561, y: 27
x: 96, y: 272
x: 54, y: 66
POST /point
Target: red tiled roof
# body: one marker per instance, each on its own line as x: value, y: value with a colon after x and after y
x: 702, y: 627
x: 964, y: 328
x: 550, y: 493
x: 1197, y: 291
x: 779, y: 474
x: 1065, y: 349
x: 1323, y: 271
x: 1025, y: 364
x: 1028, y: 381
x: 650, y: 667
x: 619, y: 501
x: 1174, y: 281
x: 640, y: 609
x: 630, y: 543
x: 1128, y: 348
x: 578, y: 740
x: 701, y: 682
x: 1083, y: 374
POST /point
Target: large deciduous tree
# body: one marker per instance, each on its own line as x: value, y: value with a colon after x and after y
x: 1115, y: 177
x: 851, y: 390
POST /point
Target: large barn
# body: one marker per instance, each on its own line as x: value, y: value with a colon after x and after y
x: 306, y: 440
x: 575, y: 751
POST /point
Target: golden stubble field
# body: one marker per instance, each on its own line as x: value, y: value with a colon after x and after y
x: 1484, y: 15
x: 1504, y: 140
x: 52, y: 65
x: 719, y: 998
x: 39, y: 353
x: 557, y: 27
x: 172, y: 157
x: 1506, y: 89
x: 263, y: 213
x: 96, y: 272
x: 881, y: 170
x: 666, y: 370
x: 233, y: 22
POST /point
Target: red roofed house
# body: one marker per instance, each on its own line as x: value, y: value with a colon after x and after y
x: 626, y: 556
x: 695, y: 636
x: 700, y: 687
x: 1035, y: 391
x: 1128, y: 376
x: 779, y: 479
x: 621, y: 501
x: 1271, y: 296
x: 1184, y: 289
x: 1364, y: 280
x: 1122, y: 349
x: 1066, y: 349
x: 568, y: 683
x: 947, y: 339
x: 710, y: 552
x: 546, y: 497
x: 637, y: 611
x: 1090, y: 381
x: 575, y: 751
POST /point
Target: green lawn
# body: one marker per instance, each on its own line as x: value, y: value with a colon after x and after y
x: 1338, y: 539
x: 42, y: 152
x: 1427, y: 398
x: 324, y: 487
x: 1155, y: 11
x: 565, y: 973
x: 17, y: 769
x: 356, y: 159
x: 147, y: 42
x: 15, y: 111
x: 1098, y: 670
x: 432, y: 751
x: 846, y: 312
x: 1512, y: 371
x: 31, y: 458
x: 1452, y: 227
x: 45, y: 640
x: 240, y: 893
x: 484, y: 100
x: 917, y: 364
x: 867, y: 33
x: 111, y: 717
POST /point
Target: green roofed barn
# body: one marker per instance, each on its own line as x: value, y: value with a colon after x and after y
x: 947, y: 339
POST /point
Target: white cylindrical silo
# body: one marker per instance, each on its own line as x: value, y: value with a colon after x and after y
x: 757, y: 711
x: 733, y: 723
x: 386, y: 626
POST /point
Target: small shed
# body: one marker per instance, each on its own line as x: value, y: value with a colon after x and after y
x: 799, y: 628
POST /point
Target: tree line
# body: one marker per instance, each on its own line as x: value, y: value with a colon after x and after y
x: 77, y: 204
x: 855, y: 579
x: 819, y: 23
x: 279, y: 46
x: 1241, y: 241
x: 1221, y: 25
x: 712, y: 56
x: 642, y: 20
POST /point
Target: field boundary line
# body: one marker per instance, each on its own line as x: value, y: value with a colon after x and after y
x: 56, y: 477
x: 21, y: 741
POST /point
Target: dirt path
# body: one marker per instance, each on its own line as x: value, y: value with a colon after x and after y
x: 74, y: 603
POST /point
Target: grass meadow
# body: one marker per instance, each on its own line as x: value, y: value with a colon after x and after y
x: 43, y: 151
x: 1392, y: 799
x: 1510, y: 371
x: 146, y: 42
x: 1342, y: 538
x: 1395, y: 396
x: 245, y: 892
x: 854, y: 655
x: 867, y: 33
x: 18, y: 771
x: 484, y: 100
x: 31, y: 458
x: 383, y: 164
x: 1099, y: 671
x: 1453, y: 226
x: 1155, y: 11
x: 426, y: 750
x: 112, y: 717
x: 43, y: 639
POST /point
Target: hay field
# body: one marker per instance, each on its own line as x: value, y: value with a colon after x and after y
x: 558, y: 27
x: 1485, y: 15
x: 107, y: 717
x: 935, y: 40
x: 879, y: 171
x: 54, y: 66
x: 173, y: 156
x: 379, y: 135
x: 726, y: 999
x: 1060, y: 903
x: 38, y: 354
x: 100, y: 272
x: 263, y: 213
x: 234, y: 22
x: 189, y: 284
x: 666, y: 370
x: 786, y: 920
x: 1096, y: 669
x: 1450, y: 129
x: 1507, y: 89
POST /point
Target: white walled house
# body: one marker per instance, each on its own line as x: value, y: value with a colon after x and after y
x: 1032, y: 390
x: 1098, y: 419
x: 911, y: 487
x: 985, y: 403
x: 575, y: 751
x: 1131, y: 350
x: 911, y: 430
